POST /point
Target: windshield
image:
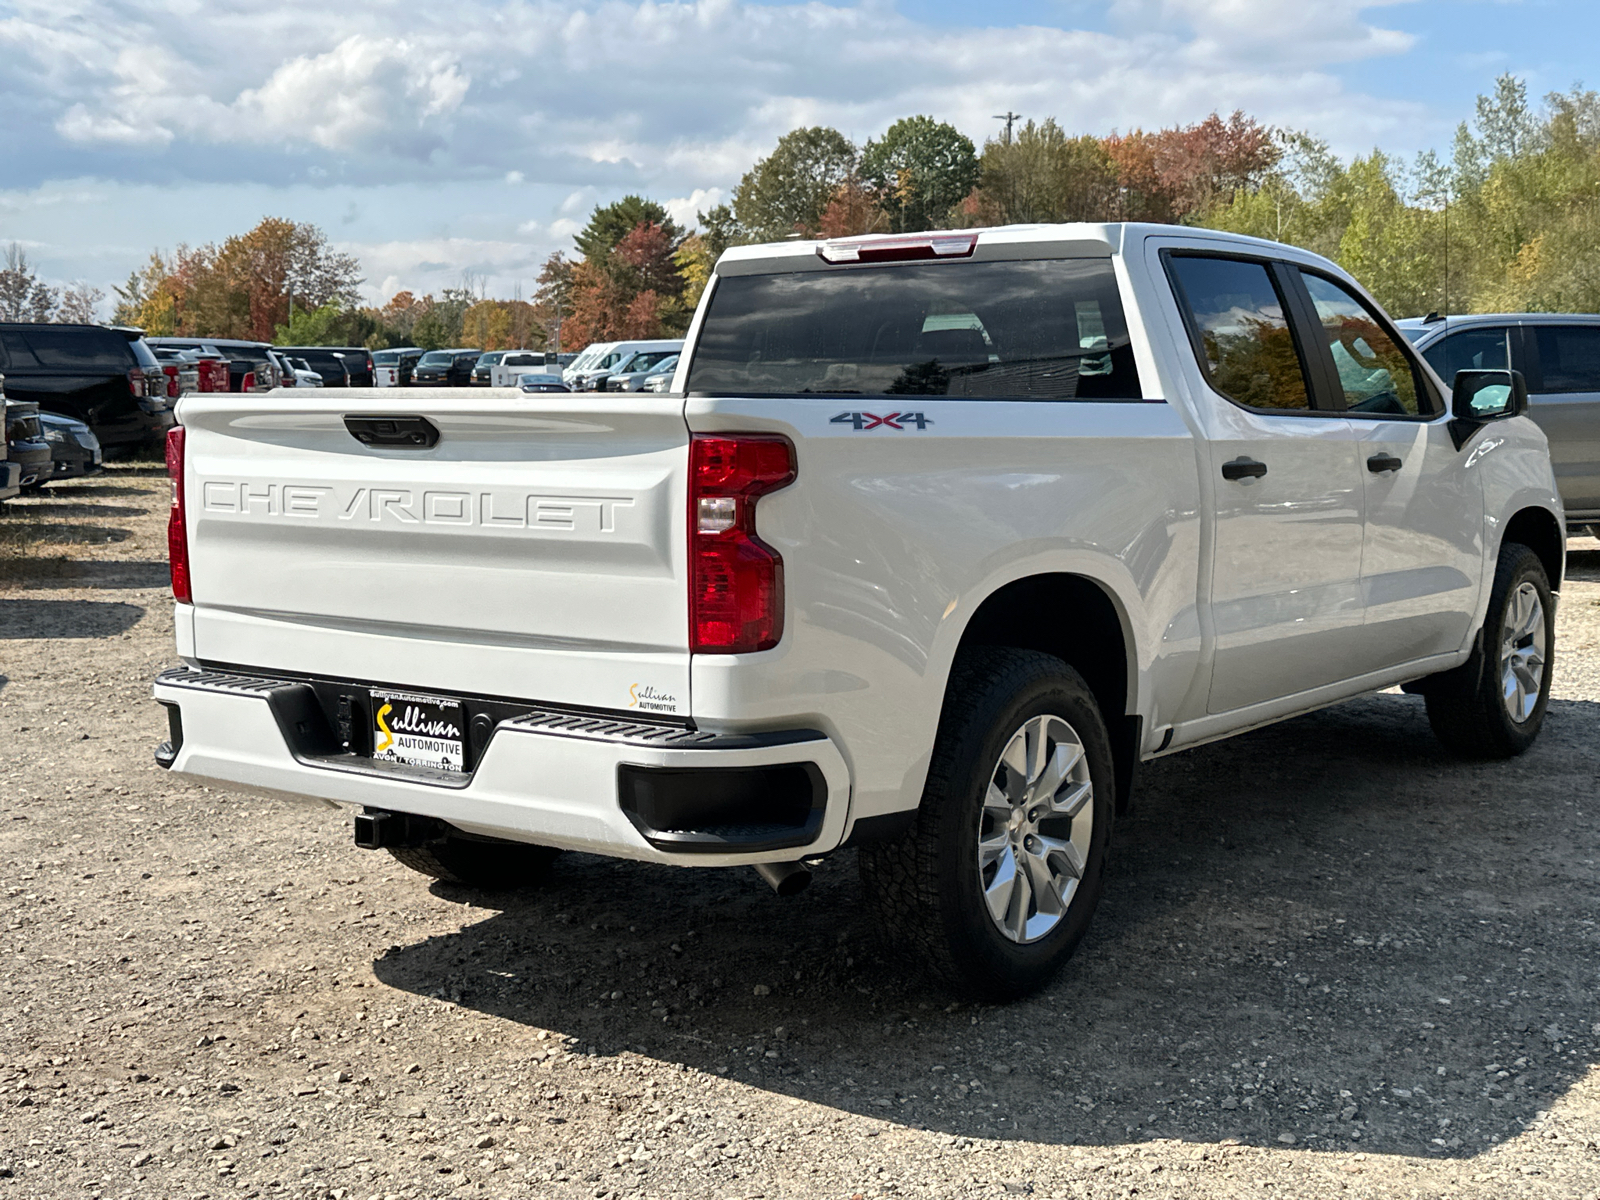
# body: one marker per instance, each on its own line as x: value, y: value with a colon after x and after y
x: 436, y: 358
x: 491, y: 358
x: 1048, y: 329
x: 670, y: 363
x: 385, y: 358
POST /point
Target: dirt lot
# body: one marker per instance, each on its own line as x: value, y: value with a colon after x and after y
x: 1331, y: 961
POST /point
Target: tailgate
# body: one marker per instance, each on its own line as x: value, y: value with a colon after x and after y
x: 536, y: 551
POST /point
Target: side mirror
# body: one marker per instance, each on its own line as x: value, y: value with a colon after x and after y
x: 1479, y: 396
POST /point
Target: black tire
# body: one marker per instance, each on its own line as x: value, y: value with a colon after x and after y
x: 487, y: 865
x: 925, y: 888
x: 1465, y: 706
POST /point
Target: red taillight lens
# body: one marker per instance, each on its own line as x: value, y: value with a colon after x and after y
x: 171, y: 372
x: 248, y: 384
x: 177, y: 525
x: 735, y: 579
x: 136, y: 381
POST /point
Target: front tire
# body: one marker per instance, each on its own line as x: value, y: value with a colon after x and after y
x: 1493, y: 706
x: 487, y: 865
x: 995, y: 884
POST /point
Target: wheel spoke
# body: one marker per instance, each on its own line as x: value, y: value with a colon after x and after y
x: 1015, y: 760
x: 996, y: 804
x: 991, y: 848
x: 1038, y: 748
x: 1071, y: 803
x: 998, y: 894
x: 1016, y: 919
x: 1056, y: 772
x: 1045, y: 886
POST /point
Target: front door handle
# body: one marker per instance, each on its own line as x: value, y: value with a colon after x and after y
x: 1379, y: 463
x: 1243, y: 468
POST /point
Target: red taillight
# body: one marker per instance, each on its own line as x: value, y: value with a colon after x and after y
x: 735, y: 579
x: 136, y: 381
x: 177, y: 525
x: 213, y: 375
x: 248, y: 384
x: 171, y: 372
x: 910, y: 248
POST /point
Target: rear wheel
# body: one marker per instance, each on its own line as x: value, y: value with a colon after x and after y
x: 490, y: 865
x: 1494, y: 705
x: 994, y: 885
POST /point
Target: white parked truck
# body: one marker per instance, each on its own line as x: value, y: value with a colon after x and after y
x: 934, y: 540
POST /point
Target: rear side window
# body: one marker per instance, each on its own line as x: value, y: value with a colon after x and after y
x: 1569, y: 358
x: 1240, y: 322
x: 1376, y: 376
x: 61, y: 349
x: 1048, y: 329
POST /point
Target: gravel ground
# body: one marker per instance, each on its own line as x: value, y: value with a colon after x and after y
x: 1331, y: 961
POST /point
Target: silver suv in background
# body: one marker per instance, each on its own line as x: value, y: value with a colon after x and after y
x: 1559, y: 355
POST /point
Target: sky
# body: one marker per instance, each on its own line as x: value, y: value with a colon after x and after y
x: 477, y: 136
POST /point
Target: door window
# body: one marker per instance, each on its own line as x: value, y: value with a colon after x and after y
x: 1377, y: 377
x: 1241, y: 326
x: 1569, y: 358
x: 1481, y: 348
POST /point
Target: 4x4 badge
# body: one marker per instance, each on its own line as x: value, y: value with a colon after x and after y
x: 866, y: 420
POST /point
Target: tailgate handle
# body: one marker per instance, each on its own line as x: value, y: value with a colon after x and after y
x: 394, y: 433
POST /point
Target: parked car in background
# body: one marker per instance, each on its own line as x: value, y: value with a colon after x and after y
x: 660, y: 380
x: 331, y: 366
x: 393, y: 367
x: 357, y: 362
x: 25, y: 444
x: 1559, y: 355
x: 541, y: 383
x: 592, y: 377
x: 585, y: 358
x: 181, y: 369
x: 487, y: 361
x: 251, y: 367
x: 74, y: 449
x: 210, y: 367
x: 90, y: 373
x: 517, y: 363
x: 632, y: 373
x: 446, y: 368
x: 301, y: 374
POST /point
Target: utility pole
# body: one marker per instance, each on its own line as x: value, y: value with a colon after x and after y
x: 1009, y: 118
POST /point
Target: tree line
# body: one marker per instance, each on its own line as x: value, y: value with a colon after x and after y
x: 1508, y: 220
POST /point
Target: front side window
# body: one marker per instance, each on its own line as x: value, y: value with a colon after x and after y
x: 1050, y: 329
x: 1376, y: 375
x: 1240, y: 319
x: 1481, y: 348
x: 1569, y: 358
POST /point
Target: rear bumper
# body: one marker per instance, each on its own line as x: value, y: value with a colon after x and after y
x: 619, y: 787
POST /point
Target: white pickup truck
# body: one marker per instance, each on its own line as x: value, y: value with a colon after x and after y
x: 936, y: 538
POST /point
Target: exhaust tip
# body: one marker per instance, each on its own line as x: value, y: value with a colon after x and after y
x: 787, y: 879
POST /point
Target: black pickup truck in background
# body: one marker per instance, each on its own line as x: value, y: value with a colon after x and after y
x: 89, y: 373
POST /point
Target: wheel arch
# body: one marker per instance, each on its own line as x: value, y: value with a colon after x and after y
x: 1031, y: 613
x: 1538, y: 529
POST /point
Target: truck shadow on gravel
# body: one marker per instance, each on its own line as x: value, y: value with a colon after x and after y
x: 66, y: 618
x: 1326, y: 933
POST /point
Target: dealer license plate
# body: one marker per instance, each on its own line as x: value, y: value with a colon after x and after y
x: 418, y: 731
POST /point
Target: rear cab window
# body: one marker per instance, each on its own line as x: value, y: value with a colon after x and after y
x: 1569, y: 357
x: 1238, y: 318
x: 1043, y: 329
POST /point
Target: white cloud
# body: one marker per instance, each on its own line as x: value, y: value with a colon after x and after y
x: 577, y: 102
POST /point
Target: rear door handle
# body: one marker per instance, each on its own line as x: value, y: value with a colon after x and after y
x: 1379, y: 463
x: 1243, y: 468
